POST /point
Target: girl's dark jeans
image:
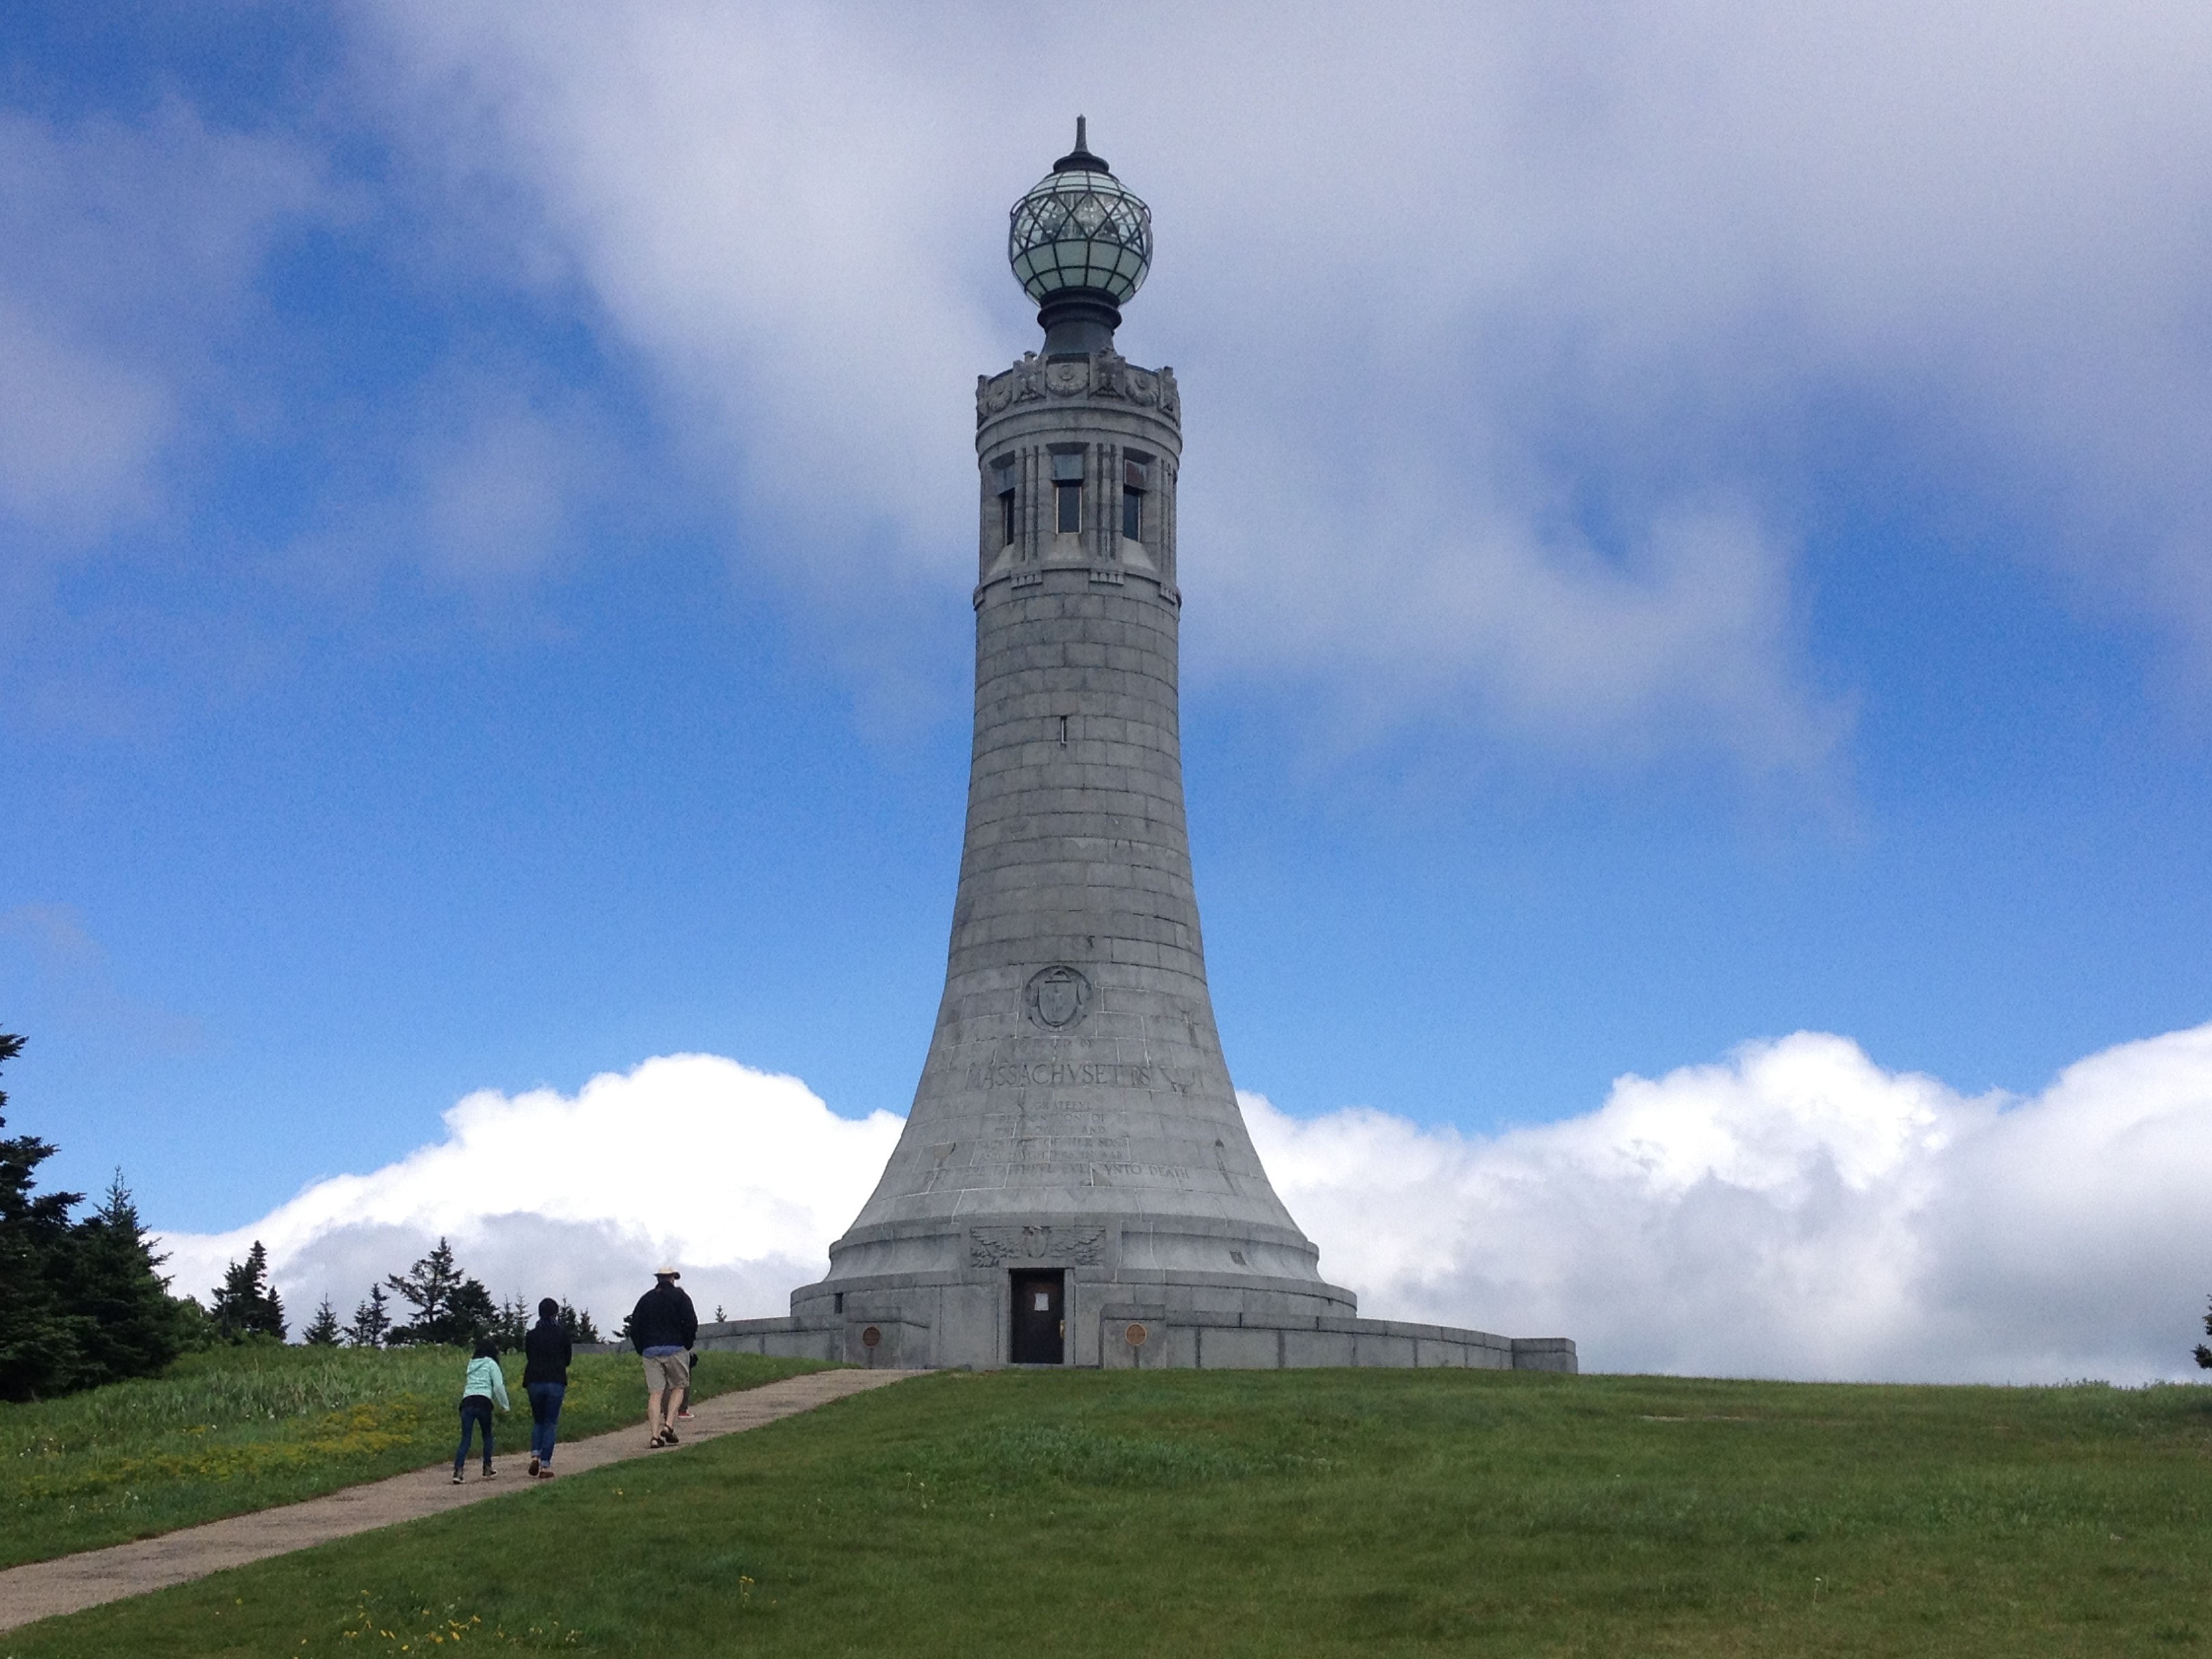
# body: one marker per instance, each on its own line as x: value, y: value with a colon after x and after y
x: 474, y: 1410
x: 545, y: 1416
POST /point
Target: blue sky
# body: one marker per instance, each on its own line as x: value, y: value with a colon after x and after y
x: 1695, y: 533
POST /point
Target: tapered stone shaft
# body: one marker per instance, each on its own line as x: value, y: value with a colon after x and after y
x: 1075, y: 1113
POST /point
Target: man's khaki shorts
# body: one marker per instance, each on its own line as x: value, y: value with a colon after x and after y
x: 667, y: 1371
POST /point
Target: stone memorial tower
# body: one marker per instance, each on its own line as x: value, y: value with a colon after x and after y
x: 1075, y: 1184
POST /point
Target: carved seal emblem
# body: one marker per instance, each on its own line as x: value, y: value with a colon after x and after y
x: 1081, y: 1247
x: 1057, y: 997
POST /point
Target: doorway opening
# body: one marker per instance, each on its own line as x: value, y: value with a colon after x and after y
x: 1039, y: 1330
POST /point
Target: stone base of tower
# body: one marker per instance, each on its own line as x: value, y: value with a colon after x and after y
x: 966, y: 1321
x: 1172, y: 1337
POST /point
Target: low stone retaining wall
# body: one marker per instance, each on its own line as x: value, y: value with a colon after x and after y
x: 1138, y: 1337
x: 1146, y: 1336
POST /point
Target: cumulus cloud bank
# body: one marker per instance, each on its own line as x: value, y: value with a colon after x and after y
x: 742, y: 1176
x: 1792, y: 1211
x: 1796, y: 1211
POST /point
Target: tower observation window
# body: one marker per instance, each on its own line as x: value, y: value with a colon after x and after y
x: 1002, y: 475
x: 1067, y: 494
x: 1136, y: 478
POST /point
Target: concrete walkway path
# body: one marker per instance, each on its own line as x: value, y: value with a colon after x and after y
x: 73, y: 1583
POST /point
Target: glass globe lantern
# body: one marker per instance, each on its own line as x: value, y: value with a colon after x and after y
x: 1080, y: 243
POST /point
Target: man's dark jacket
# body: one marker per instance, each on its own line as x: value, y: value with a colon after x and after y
x: 546, y: 1351
x: 663, y: 1319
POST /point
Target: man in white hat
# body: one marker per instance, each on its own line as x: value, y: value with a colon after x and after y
x: 662, y: 1328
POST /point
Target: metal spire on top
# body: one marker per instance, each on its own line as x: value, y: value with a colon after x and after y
x: 1080, y: 159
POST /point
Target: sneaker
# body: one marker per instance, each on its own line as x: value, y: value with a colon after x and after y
x: 533, y: 1469
x: 490, y: 1472
x: 457, y: 1477
x: 546, y: 1474
x: 683, y: 1416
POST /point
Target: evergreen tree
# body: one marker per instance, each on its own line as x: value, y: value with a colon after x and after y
x: 41, y: 1337
x: 111, y: 1276
x: 450, y: 1307
x: 511, y: 1324
x: 323, y: 1330
x: 578, y: 1322
x: 245, y: 1303
x: 372, y: 1321
x: 2203, y: 1353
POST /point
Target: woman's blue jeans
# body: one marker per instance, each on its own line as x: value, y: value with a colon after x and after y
x: 545, y: 1416
x: 474, y: 1410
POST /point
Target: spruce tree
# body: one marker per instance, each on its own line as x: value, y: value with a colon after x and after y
x: 111, y: 1278
x: 372, y: 1321
x: 450, y: 1307
x: 246, y: 1304
x: 323, y: 1330
x: 578, y: 1322
x: 511, y: 1324
x: 41, y: 1337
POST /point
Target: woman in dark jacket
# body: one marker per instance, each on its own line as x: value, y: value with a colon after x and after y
x: 546, y: 1353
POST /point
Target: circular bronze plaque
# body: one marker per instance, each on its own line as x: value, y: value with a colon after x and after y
x: 1136, y: 1336
x: 870, y: 1337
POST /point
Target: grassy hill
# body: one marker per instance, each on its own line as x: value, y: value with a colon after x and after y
x: 238, y: 1429
x: 1290, y: 1513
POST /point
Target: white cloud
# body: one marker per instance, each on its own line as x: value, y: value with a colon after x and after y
x: 1794, y: 1210
x: 740, y: 1177
x: 127, y: 258
x: 78, y: 431
x: 1516, y: 342
x: 761, y: 208
x: 500, y: 492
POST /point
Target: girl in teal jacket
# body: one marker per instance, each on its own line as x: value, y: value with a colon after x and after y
x: 483, y: 1384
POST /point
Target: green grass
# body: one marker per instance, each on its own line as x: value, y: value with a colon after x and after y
x: 1290, y: 1513
x: 238, y: 1429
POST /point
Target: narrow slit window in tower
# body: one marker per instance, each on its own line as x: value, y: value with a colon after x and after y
x: 1136, y: 479
x: 1003, y: 480
x: 1068, y: 493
